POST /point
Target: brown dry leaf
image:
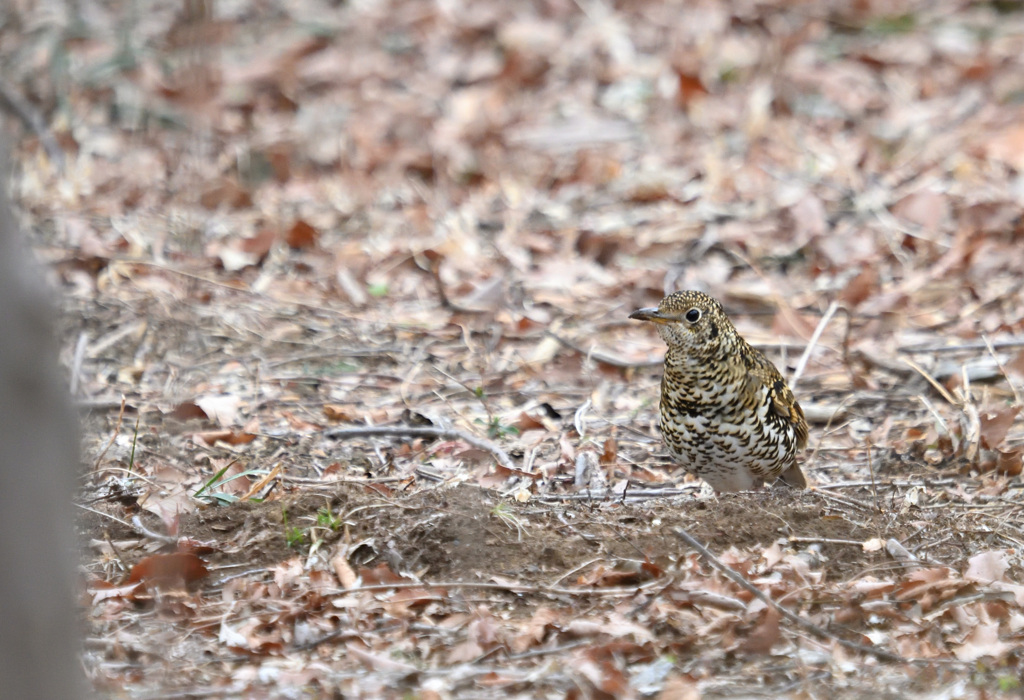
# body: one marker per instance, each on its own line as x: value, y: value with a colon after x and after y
x: 616, y: 625
x: 544, y: 620
x: 609, y: 451
x: 527, y: 422
x: 996, y: 424
x: 528, y: 44
x: 691, y: 88
x: 601, y: 576
x: 987, y: 567
x: 288, y: 574
x: 871, y: 588
x: 981, y: 642
x: 225, y: 192
x: 506, y: 473
x: 379, y: 662
x: 928, y: 587
x: 1016, y: 365
x: 168, y: 571
x: 383, y: 490
x: 188, y: 410
x: 1010, y: 462
x: 484, y: 628
x: 763, y: 637
x: 344, y: 571
x: 1008, y: 147
x: 597, y: 665
x: 402, y: 600
x: 301, y: 235
x: 379, y: 574
x: 679, y: 688
x: 927, y: 209
x: 101, y: 590
x: 169, y: 497
x: 238, y: 254
x: 341, y: 413
x: 300, y: 424
x: 809, y: 218
x: 228, y: 437
x: 223, y: 409
x: 861, y: 287
x: 875, y: 544
x: 259, y: 244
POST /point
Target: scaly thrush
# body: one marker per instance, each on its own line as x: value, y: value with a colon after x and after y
x: 727, y: 414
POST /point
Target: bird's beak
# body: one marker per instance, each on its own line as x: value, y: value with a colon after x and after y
x: 649, y: 314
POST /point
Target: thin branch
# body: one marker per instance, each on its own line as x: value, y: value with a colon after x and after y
x: 992, y: 352
x: 618, y: 496
x: 895, y: 483
x: 962, y: 347
x: 433, y: 268
x: 839, y: 499
x: 166, y: 539
x: 814, y: 629
x: 601, y: 357
x: 871, y: 471
x: 117, y: 430
x: 931, y: 380
x: 429, y: 432
x: 310, y: 481
x: 106, y: 515
x: 135, y: 524
x: 824, y: 540
x: 509, y: 587
x: 17, y: 105
x: 802, y: 364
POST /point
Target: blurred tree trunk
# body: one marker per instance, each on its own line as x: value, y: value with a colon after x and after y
x: 38, y: 457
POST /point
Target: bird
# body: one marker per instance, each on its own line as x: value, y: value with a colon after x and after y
x: 727, y: 414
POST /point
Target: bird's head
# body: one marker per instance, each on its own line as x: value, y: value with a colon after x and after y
x: 690, y: 320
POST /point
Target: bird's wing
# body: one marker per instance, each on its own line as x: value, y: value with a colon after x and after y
x: 784, y: 404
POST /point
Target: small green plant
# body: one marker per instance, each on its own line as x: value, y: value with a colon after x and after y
x: 1007, y: 683
x: 377, y: 290
x: 135, y: 441
x: 497, y: 429
x: 340, y: 367
x: 207, y: 492
x: 503, y: 512
x: 325, y: 518
x: 894, y: 24
x: 294, y: 536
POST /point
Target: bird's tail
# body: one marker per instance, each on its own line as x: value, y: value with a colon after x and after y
x: 794, y: 476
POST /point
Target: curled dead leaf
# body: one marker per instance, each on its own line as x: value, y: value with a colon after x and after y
x: 301, y: 235
x: 996, y: 424
x: 168, y: 571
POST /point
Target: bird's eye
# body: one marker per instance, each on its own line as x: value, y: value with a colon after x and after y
x: 693, y: 315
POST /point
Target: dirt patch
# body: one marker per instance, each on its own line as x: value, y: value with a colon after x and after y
x: 467, y: 533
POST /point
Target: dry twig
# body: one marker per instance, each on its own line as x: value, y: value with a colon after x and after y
x: 117, y: 430
x: 603, y: 358
x: 802, y: 364
x: 426, y: 432
x: 814, y: 629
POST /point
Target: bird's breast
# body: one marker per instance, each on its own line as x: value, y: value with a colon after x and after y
x: 715, y: 419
